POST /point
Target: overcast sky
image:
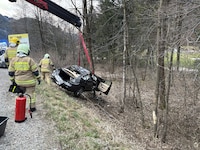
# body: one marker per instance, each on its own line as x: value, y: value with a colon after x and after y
x: 10, y: 9
x: 7, y: 8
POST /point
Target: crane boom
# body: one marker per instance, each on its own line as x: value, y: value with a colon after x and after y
x: 56, y: 10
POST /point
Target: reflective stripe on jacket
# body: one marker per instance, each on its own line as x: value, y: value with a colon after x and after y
x: 23, y: 67
x: 45, y: 65
x: 10, y: 53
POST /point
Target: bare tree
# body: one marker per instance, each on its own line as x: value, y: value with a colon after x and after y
x: 122, y: 102
x: 87, y: 27
x: 179, y: 20
x: 161, y: 47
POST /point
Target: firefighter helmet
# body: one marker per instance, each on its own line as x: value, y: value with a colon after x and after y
x: 14, y: 40
x: 24, y: 48
x: 46, y: 56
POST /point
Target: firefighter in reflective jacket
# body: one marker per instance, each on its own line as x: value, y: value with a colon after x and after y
x: 12, y: 50
x: 24, y: 72
x: 46, y: 65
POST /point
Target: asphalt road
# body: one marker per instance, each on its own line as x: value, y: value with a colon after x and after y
x: 35, y: 133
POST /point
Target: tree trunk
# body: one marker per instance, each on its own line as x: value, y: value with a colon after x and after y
x: 179, y: 26
x: 122, y: 102
x: 164, y: 135
x: 161, y: 47
x: 39, y: 19
x: 87, y: 30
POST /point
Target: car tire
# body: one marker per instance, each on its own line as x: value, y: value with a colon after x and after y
x: 78, y: 93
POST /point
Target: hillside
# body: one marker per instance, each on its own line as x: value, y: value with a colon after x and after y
x: 4, y: 27
x: 97, y: 123
x: 44, y: 37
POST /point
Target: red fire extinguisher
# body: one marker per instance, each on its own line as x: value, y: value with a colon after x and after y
x: 20, y: 108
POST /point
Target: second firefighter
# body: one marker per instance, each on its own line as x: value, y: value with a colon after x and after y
x: 46, y: 65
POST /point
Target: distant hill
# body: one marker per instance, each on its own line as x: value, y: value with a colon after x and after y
x: 4, y: 26
x: 30, y: 26
x: 43, y: 36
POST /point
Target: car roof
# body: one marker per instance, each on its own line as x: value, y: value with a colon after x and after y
x: 79, y: 70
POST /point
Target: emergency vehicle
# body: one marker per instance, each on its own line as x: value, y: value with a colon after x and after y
x: 3, y: 47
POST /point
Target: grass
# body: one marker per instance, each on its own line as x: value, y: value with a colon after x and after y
x: 77, y: 126
x: 187, y: 59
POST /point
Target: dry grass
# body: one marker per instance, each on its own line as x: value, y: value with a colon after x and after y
x: 82, y: 125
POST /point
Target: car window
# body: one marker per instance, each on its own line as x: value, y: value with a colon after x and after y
x: 86, y: 77
x: 71, y: 73
x: 94, y: 77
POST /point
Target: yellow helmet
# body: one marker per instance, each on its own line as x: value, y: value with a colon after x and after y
x: 24, y: 48
x: 15, y: 40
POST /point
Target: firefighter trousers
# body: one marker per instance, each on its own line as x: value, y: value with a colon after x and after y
x: 32, y: 99
x: 46, y: 77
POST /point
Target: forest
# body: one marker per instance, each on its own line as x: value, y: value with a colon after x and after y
x: 148, y: 48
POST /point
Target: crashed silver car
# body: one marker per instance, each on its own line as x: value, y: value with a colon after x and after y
x: 77, y: 79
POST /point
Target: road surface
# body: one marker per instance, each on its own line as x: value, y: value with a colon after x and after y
x: 35, y: 133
